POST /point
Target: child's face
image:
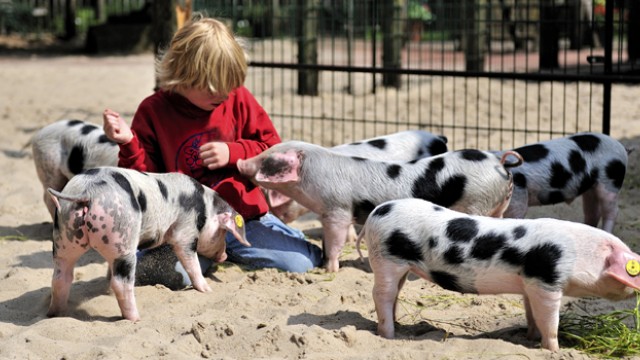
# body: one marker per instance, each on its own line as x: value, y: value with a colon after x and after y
x: 204, y: 99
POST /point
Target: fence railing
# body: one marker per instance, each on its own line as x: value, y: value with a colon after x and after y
x: 486, y: 73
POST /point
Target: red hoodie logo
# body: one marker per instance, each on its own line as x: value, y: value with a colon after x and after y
x: 188, y: 159
x: 191, y: 151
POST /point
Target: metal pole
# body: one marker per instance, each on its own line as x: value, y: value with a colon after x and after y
x: 608, y: 66
x: 350, y: 39
x: 374, y: 41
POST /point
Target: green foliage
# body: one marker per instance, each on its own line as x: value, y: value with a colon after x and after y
x: 243, y: 28
x: 417, y: 11
x: 606, y: 335
x: 85, y: 17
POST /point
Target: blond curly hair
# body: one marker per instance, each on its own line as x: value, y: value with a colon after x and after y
x: 203, y: 55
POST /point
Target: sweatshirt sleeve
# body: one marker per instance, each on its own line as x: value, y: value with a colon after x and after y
x: 255, y: 129
x: 140, y: 152
x: 131, y: 155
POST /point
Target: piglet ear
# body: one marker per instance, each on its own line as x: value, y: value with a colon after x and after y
x: 276, y: 198
x: 280, y: 168
x: 234, y: 223
x: 624, y: 267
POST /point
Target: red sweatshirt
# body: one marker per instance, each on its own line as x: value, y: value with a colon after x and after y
x: 168, y: 131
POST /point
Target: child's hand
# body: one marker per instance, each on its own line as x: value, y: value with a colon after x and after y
x: 115, y: 127
x: 214, y: 155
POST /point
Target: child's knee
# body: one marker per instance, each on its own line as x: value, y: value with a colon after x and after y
x: 288, y: 261
x: 297, y: 264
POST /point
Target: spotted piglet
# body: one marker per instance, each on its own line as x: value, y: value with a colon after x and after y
x: 400, y: 146
x: 589, y: 164
x: 116, y: 211
x: 66, y: 148
x: 542, y: 259
x: 342, y: 188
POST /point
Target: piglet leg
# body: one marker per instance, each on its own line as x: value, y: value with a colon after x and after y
x: 545, y: 310
x: 66, y: 253
x: 608, y: 207
x: 122, y: 284
x: 190, y: 262
x: 591, y: 207
x: 599, y: 203
x: 61, y: 283
x: 532, y: 330
x: 387, y: 281
x: 335, y: 229
x: 519, y: 204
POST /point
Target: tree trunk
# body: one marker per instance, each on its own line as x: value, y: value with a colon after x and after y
x: 100, y: 11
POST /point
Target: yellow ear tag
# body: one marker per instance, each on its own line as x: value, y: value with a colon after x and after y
x: 633, y: 267
x: 240, y: 223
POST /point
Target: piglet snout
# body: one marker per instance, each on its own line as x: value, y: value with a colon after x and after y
x: 247, y: 168
x: 221, y: 257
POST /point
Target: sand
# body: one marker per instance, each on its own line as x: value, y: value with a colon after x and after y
x: 262, y: 314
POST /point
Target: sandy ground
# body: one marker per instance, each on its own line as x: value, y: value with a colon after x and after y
x: 262, y: 314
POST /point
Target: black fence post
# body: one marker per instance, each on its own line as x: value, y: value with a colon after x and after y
x: 474, y: 35
x: 70, y: 31
x: 633, y: 32
x: 608, y: 67
x: 350, y: 42
x: 392, y: 34
x: 307, y: 46
x: 549, y: 36
x: 374, y: 43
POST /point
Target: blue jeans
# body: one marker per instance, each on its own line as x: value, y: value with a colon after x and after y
x: 273, y: 245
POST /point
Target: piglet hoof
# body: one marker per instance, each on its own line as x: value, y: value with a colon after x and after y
x: 130, y: 313
x: 133, y: 318
x: 332, y: 266
x: 551, y: 344
x: 202, y: 286
x: 383, y: 332
x: 55, y: 311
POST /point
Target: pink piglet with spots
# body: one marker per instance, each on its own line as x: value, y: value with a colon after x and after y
x: 117, y: 211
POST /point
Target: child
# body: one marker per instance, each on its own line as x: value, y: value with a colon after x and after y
x: 200, y: 122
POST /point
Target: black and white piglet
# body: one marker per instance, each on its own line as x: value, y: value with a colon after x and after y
x: 116, y: 211
x: 66, y: 148
x: 399, y: 146
x: 543, y: 259
x: 590, y: 165
x: 342, y: 188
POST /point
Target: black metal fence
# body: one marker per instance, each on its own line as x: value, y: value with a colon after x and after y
x: 488, y: 74
x: 485, y: 73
